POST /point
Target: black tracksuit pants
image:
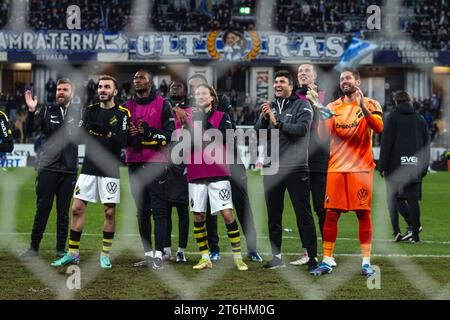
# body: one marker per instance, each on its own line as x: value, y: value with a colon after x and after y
x: 318, y: 183
x: 183, y: 224
x: 297, y: 184
x: 48, y: 185
x: 398, y: 191
x: 148, y: 184
x: 242, y: 207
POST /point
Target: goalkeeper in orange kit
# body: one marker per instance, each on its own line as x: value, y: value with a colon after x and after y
x: 353, y: 119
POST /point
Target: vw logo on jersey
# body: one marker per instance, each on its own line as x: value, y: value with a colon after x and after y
x: 111, y: 187
x: 224, y: 194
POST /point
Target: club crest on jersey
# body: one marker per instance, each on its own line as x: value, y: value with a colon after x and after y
x: 113, y: 121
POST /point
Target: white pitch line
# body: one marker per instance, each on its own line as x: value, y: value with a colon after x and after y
x: 223, y: 237
x: 381, y: 255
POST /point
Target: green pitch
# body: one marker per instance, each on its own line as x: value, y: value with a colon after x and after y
x: 406, y: 271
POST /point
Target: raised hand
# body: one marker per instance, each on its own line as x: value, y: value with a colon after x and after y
x: 31, y: 101
x: 360, y: 95
x: 313, y: 97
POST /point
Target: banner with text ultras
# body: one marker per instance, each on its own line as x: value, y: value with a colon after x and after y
x: 156, y: 46
x: 261, y: 80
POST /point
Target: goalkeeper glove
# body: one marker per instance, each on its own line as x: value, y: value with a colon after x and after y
x: 156, y: 139
x: 324, y: 112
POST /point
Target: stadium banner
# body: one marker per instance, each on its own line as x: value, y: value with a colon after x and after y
x: 28, y: 150
x: 80, y: 46
x: 261, y: 80
x: 23, y: 150
x: 181, y: 47
x: 13, y: 161
x: 407, y: 52
x: 20, y: 157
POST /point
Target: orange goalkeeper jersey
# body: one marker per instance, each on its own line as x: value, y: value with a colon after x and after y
x: 351, y: 135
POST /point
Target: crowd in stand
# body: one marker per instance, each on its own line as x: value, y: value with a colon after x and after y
x: 246, y: 112
x: 427, y: 21
x: 321, y: 16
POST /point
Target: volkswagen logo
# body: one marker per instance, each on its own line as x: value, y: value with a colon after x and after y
x: 224, y: 194
x: 111, y: 187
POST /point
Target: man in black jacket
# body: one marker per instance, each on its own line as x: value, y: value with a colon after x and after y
x: 6, y: 138
x: 58, y: 162
x: 292, y: 118
x: 404, y: 158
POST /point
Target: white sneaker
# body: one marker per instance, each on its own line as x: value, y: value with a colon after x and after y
x: 167, y: 255
x: 300, y: 262
x: 333, y: 262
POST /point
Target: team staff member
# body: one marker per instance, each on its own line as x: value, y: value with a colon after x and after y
x: 147, y: 156
x: 238, y: 182
x: 107, y: 128
x: 177, y: 185
x: 404, y: 158
x: 292, y: 118
x: 210, y: 181
x: 6, y: 139
x: 57, y: 166
x: 350, y: 167
x: 318, y: 149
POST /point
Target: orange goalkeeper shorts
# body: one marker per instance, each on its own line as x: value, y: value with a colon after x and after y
x: 349, y: 191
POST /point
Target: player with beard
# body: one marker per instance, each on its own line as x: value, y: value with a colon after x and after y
x: 57, y: 166
x: 147, y: 156
x: 350, y: 166
x: 177, y: 185
x: 107, y: 127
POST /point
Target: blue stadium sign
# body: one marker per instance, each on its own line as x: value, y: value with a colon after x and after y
x: 186, y: 47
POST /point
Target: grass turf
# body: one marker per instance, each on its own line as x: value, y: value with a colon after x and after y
x: 407, y: 271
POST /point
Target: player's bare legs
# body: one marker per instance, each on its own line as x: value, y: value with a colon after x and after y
x: 110, y: 217
x: 78, y: 208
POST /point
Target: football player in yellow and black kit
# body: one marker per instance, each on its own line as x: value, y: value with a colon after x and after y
x: 6, y: 139
x: 107, y: 126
